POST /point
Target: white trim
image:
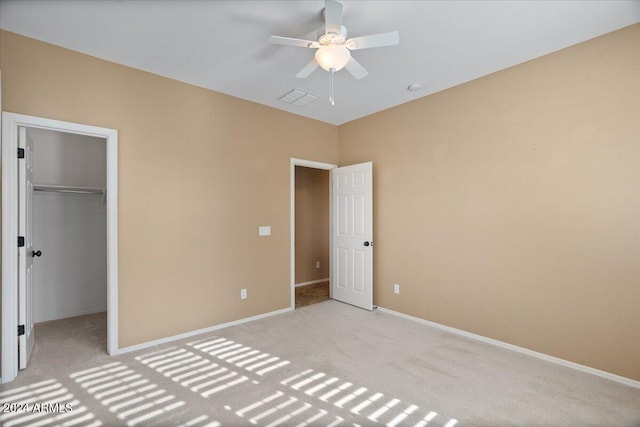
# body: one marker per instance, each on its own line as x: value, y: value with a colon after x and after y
x: 70, y: 315
x: 9, y: 250
x: 201, y: 331
x: 545, y: 357
x: 10, y: 124
x: 292, y: 218
x: 311, y: 282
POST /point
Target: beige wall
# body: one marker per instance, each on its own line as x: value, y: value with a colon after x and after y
x: 198, y: 173
x: 312, y: 224
x: 510, y: 206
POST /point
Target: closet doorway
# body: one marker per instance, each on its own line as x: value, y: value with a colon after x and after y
x: 61, y: 195
x: 310, y: 232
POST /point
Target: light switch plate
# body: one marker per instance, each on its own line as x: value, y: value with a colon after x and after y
x: 264, y: 230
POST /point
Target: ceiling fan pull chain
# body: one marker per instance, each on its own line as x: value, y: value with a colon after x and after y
x: 331, y: 99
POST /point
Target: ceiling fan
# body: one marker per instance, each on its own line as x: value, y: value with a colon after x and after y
x: 334, y: 48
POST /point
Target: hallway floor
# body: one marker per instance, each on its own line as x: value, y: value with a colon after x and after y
x: 312, y: 294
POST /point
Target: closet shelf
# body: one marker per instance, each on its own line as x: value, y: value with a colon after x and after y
x: 68, y: 189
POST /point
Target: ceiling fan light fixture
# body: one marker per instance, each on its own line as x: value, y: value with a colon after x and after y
x: 332, y: 57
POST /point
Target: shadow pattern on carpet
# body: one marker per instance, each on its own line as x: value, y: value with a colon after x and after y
x: 247, y: 385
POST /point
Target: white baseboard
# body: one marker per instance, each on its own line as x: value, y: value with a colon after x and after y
x: 312, y: 282
x: 75, y: 314
x: 546, y: 357
x: 200, y: 331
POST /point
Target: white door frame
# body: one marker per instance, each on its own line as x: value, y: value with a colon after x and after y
x: 9, y: 161
x: 314, y: 165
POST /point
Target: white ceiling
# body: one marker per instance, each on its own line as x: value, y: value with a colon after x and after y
x: 223, y: 45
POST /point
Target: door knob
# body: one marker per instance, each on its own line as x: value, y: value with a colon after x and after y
x: 366, y: 243
x: 36, y: 253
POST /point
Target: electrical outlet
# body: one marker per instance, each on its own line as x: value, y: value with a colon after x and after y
x: 396, y: 288
x: 243, y: 294
x: 317, y: 264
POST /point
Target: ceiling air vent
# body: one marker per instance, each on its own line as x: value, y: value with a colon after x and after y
x: 297, y: 97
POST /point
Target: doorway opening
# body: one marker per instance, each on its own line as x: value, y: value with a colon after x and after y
x: 310, y: 232
x: 61, y: 192
x: 69, y: 239
x: 312, y: 236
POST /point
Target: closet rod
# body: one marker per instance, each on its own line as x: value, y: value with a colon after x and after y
x: 66, y: 189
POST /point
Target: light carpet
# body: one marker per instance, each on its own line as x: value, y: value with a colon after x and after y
x: 326, y: 364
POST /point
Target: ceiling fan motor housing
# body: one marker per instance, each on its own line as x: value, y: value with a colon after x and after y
x: 332, y: 38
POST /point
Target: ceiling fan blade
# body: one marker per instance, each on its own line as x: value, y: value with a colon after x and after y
x: 288, y: 41
x: 332, y: 16
x: 356, y: 69
x: 308, y: 69
x: 374, y: 40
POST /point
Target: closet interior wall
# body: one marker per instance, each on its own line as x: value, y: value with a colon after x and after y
x: 69, y: 228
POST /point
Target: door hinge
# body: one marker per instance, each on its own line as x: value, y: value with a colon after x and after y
x: 20, y: 330
x: 20, y: 241
x: 21, y: 153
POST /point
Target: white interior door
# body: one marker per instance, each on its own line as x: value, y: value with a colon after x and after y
x: 25, y: 253
x: 352, y: 219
